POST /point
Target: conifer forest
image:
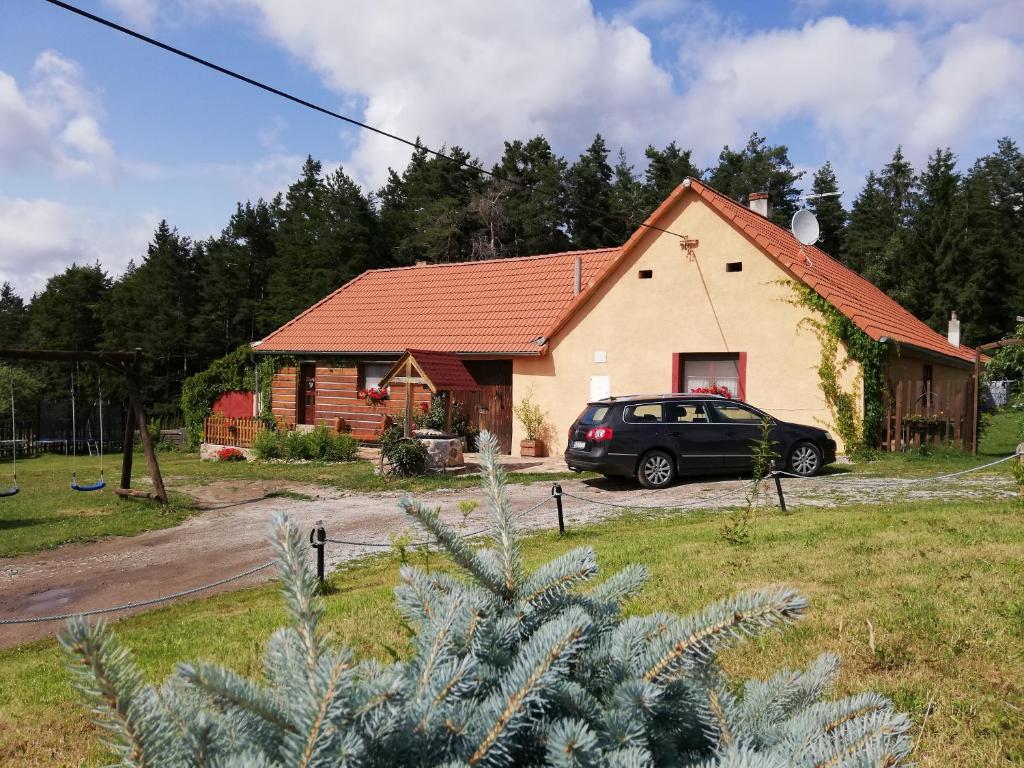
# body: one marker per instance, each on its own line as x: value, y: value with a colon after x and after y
x: 942, y: 238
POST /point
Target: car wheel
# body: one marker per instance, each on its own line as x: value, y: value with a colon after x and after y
x: 656, y: 470
x: 805, y: 460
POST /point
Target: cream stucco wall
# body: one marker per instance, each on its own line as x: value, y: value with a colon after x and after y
x: 639, y: 324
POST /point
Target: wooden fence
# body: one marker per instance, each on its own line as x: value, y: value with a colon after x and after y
x: 918, y: 413
x: 223, y: 430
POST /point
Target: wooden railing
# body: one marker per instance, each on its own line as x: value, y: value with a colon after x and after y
x: 222, y: 430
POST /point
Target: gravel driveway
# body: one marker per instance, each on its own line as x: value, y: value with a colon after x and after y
x: 229, y: 535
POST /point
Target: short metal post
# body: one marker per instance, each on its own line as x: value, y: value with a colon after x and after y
x: 318, y: 540
x: 556, y: 491
x: 778, y: 486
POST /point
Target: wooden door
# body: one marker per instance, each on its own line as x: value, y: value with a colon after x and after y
x: 490, y: 407
x: 307, y: 394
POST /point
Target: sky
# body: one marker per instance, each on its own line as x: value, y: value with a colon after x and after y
x: 102, y: 136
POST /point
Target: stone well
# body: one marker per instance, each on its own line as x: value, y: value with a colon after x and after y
x: 443, y: 451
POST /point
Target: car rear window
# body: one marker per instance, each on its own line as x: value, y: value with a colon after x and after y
x: 594, y: 414
x: 643, y: 413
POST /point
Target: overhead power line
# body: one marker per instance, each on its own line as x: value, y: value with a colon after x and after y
x: 324, y: 110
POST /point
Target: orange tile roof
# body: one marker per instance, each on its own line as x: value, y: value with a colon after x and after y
x: 499, y: 306
x: 869, y: 307
x: 503, y: 306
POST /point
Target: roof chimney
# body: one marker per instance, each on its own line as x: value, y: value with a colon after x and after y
x: 954, y: 331
x: 420, y: 263
x: 577, y: 276
x: 758, y: 203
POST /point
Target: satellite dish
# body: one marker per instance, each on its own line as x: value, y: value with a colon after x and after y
x: 805, y: 227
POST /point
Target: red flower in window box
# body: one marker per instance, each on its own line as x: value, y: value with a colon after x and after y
x: 714, y: 389
x: 374, y: 395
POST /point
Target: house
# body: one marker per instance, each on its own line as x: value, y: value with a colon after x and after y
x: 702, y: 295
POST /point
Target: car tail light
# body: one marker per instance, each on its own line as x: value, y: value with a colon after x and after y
x: 599, y: 434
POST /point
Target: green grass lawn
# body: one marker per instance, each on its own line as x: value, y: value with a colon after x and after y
x: 923, y: 601
x: 47, y: 513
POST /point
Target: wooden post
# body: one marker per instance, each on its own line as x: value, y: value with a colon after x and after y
x: 976, y: 400
x: 129, y: 448
x: 135, y: 404
x: 408, y: 398
x: 448, y: 412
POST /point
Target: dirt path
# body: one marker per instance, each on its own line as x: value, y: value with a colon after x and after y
x: 229, y: 535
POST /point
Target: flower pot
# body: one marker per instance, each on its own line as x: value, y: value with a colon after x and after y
x: 532, y: 448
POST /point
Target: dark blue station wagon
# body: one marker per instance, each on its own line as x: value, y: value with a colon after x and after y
x: 655, y: 438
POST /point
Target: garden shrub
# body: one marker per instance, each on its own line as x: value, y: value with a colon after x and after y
x: 408, y: 459
x: 319, y: 444
x: 507, y: 667
x: 402, y: 456
x: 267, y: 445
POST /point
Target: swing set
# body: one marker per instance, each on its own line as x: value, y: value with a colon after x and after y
x: 127, y: 364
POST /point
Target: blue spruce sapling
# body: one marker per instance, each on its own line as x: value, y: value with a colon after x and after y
x: 508, y: 667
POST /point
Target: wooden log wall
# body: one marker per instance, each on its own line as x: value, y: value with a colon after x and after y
x: 337, y: 397
x: 283, y: 390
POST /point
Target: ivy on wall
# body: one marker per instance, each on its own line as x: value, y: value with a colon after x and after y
x: 238, y: 370
x: 860, y: 434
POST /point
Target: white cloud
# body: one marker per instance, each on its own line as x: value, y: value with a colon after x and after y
x: 139, y: 13
x: 56, y: 119
x: 471, y: 73
x: 40, y: 237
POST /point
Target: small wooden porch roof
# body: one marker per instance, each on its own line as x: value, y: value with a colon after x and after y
x: 439, y: 371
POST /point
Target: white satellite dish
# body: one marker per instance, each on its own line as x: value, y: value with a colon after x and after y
x: 805, y: 227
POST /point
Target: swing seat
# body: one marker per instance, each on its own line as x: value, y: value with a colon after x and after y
x: 12, y: 491
x: 75, y: 486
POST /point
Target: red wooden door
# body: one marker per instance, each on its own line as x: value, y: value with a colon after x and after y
x: 307, y: 394
x: 490, y: 407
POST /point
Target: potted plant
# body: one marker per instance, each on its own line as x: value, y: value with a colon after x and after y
x: 530, y: 415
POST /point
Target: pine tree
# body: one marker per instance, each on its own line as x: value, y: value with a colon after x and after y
x: 424, y: 213
x: 666, y: 169
x: 237, y: 269
x: 13, y: 318
x: 589, y: 191
x: 980, y: 262
x: 759, y: 167
x: 932, y: 267
x: 536, y: 208
x: 153, y: 306
x: 1004, y: 171
x: 509, y: 667
x: 630, y: 206
x: 68, y: 313
x: 829, y: 210
x: 879, y: 228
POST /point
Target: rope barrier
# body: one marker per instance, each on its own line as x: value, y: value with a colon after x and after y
x: 427, y: 542
x: 853, y: 480
x: 667, y: 505
x: 140, y: 603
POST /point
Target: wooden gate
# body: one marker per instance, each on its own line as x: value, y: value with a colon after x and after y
x: 490, y: 407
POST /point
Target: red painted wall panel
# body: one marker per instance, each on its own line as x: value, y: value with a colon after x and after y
x: 236, y: 405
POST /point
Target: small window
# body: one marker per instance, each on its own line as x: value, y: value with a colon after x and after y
x: 734, y: 266
x: 370, y: 374
x: 648, y: 413
x: 737, y: 414
x: 595, y: 414
x: 646, y: 274
x: 686, y: 413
